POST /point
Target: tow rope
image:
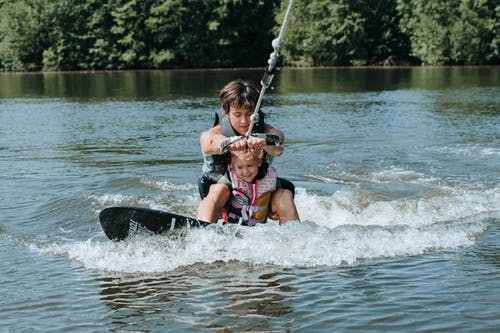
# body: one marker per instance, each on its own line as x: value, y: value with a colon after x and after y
x: 265, y: 82
x: 269, y: 72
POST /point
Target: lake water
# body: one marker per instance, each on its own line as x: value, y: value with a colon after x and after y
x: 397, y: 174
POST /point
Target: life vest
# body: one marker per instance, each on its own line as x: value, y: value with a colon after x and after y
x: 217, y: 163
x: 249, y: 201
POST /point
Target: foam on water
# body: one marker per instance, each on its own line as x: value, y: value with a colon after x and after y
x: 470, y: 150
x: 116, y: 199
x: 344, y: 228
x: 166, y: 185
x: 351, y: 206
x: 399, y: 174
x: 295, y: 244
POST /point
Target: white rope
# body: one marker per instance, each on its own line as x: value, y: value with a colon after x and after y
x: 278, y: 42
x: 277, y: 45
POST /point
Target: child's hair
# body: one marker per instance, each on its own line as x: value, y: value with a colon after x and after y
x: 239, y: 93
x: 247, y: 155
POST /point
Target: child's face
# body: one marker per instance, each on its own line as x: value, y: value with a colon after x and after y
x: 239, y: 119
x: 246, y: 169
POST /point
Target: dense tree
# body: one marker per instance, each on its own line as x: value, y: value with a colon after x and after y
x: 214, y: 33
x: 466, y: 45
x: 324, y: 32
x: 472, y: 35
x: 494, y: 29
x: 241, y: 32
x: 165, y: 23
x: 346, y: 32
x: 69, y: 37
x: 25, y: 34
x: 451, y: 32
x: 384, y: 39
x: 129, y: 34
x: 428, y: 24
x: 101, y: 42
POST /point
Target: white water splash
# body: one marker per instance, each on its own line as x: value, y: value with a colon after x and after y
x: 469, y: 150
x: 350, y: 206
x: 294, y: 244
x: 165, y: 185
x: 345, y: 228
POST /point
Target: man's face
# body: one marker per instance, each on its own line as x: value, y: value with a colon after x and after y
x: 239, y: 119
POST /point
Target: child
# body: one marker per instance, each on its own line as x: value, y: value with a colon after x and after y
x: 250, y: 182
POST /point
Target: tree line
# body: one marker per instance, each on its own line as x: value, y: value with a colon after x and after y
x: 160, y: 34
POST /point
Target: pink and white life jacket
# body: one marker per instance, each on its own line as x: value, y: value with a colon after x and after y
x: 249, y: 201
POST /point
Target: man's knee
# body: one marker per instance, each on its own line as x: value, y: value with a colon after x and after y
x: 219, y: 194
x: 283, y: 207
x: 282, y: 199
x: 206, y: 181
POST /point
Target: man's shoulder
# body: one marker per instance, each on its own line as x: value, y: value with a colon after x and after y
x: 213, y: 130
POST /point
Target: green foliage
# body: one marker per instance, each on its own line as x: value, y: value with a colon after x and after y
x: 467, y: 46
x: 240, y: 32
x: 127, y: 34
x: 494, y: 29
x: 345, y: 32
x: 325, y: 33
x: 25, y: 34
x: 166, y: 23
x: 213, y: 33
x: 69, y: 38
x: 384, y: 38
x: 451, y: 32
x: 428, y: 23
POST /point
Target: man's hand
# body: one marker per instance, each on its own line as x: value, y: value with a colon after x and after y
x: 256, y: 144
x: 238, y: 145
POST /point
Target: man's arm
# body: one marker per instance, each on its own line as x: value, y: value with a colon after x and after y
x: 211, y: 140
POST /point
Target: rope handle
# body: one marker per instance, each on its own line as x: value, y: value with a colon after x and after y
x: 271, y: 140
x: 224, y: 144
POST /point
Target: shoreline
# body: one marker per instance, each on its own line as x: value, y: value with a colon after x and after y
x: 364, y: 67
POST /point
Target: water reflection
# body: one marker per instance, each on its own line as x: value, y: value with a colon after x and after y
x: 169, y: 85
x: 202, y: 296
x: 123, y: 85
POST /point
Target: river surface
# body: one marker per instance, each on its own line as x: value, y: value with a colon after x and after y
x: 397, y: 174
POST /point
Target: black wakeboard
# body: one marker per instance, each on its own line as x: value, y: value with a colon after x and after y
x: 119, y: 223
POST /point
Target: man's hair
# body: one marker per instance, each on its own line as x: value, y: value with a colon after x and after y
x: 240, y: 94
